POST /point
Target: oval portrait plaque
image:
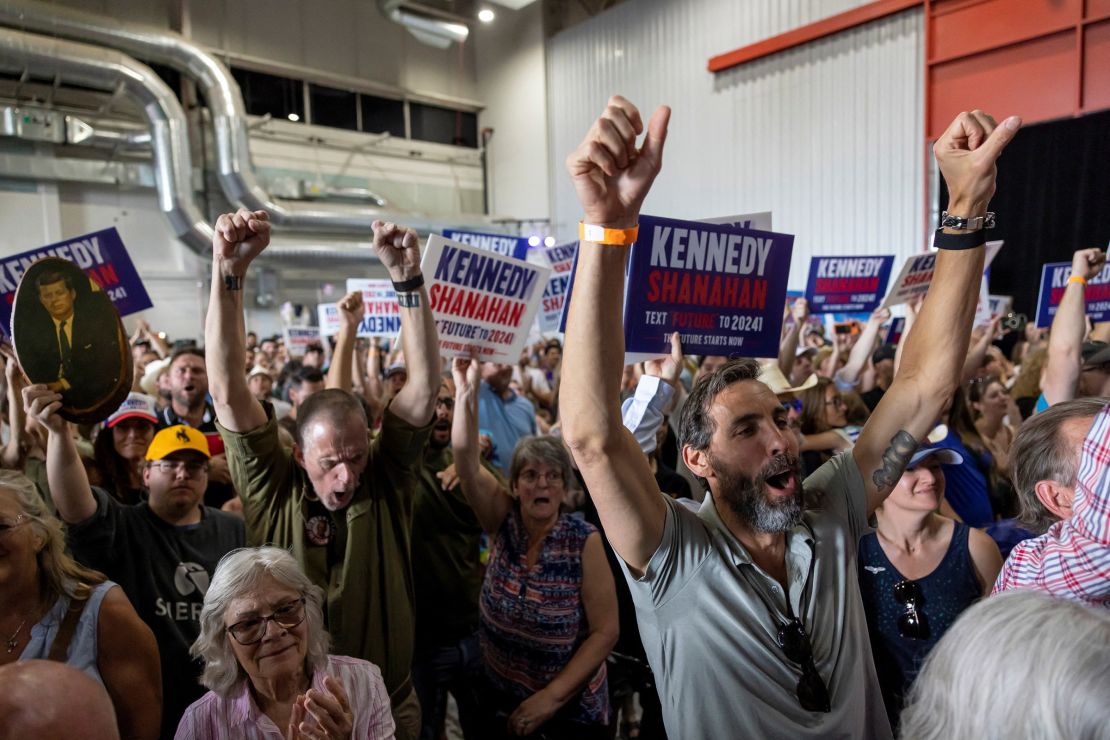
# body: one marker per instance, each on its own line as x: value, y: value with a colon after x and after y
x: 68, y: 336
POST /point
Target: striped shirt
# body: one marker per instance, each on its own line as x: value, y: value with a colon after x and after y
x: 532, y: 618
x: 237, y: 717
x: 1072, y: 559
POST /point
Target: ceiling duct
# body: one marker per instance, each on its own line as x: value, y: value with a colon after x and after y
x: 225, y: 103
x: 108, y: 70
x: 429, y: 25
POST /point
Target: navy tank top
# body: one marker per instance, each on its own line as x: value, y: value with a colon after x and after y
x: 942, y: 596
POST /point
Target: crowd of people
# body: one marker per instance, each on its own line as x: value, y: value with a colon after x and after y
x: 369, y: 541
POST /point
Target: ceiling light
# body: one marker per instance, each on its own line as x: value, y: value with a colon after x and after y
x: 549, y: 241
x: 485, y: 15
x: 533, y: 241
x: 294, y: 117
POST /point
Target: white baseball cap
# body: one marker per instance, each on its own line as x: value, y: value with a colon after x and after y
x: 135, y: 406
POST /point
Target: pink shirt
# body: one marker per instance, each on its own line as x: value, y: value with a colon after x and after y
x: 237, y: 717
x: 1072, y: 559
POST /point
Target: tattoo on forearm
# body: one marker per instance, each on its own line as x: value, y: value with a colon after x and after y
x: 233, y: 282
x: 408, y: 300
x: 895, y: 459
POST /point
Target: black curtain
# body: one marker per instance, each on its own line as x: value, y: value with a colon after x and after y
x: 1053, y: 198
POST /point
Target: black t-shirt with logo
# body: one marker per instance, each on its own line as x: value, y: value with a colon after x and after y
x: 165, y: 571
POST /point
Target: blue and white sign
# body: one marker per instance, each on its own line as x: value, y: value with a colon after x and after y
x: 100, y: 254
x: 1054, y: 281
x: 847, y: 284
x: 382, y: 315
x: 720, y: 286
x: 509, y: 246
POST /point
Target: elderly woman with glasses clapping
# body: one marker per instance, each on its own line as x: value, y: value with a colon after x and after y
x: 266, y: 660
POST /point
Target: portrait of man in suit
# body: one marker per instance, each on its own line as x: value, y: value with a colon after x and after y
x: 68, y: 335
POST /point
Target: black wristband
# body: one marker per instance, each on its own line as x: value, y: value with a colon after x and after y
x: 941, y: 240
x: 407, y: 286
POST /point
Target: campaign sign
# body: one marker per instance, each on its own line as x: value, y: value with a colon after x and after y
x: 847, y: 284
x: 561, y: 260
x: 893, y: 332
x: 327, y: 315
x: 913, y: 281
x: 760, y: 221
x: 721, y: 287
x: 382, y: 317
x: 299, y: 338
x: 483, y: 302
x: 510, y: 246
x: 1000, y: 304
x: 100, y: 255
x: 1054, y: 280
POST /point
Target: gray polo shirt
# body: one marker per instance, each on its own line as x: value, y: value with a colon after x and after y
x: 712, y: 642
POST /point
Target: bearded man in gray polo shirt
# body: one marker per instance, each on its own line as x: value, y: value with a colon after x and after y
x: 750, y: 609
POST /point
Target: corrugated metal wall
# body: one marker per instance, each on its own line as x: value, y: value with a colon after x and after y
x: 828, y: 136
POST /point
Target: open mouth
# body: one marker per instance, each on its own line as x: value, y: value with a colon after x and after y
x: 783, y: 483
x: 541, y: 500
x: 442, y: 426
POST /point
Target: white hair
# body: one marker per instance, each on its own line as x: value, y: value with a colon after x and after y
x: 1021, y: 664
x: 238, y: 573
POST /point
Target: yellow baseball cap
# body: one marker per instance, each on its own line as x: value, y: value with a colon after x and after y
x: 175, y: 439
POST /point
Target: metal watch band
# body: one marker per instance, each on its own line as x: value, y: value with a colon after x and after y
x: 948, y: 221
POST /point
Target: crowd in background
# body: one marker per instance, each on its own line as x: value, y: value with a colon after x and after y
x: 370, y: 541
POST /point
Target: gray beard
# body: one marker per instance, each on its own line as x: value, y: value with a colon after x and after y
x: 746, y: 497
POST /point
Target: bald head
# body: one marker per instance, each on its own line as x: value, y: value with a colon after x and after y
x: 47, y: 700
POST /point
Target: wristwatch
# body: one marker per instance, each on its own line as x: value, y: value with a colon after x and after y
x: 948, y: 221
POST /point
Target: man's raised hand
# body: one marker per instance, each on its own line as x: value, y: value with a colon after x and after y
x: 399, y: 250
x: 239, y: 238
x: 1088, y: 263
x: 669, y: 368
x: 352, y: 308
x: 610, y: 175
x: 966, y: 154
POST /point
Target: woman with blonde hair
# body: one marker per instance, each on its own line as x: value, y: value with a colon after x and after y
x: 266, y: 661
x: 51, y: 607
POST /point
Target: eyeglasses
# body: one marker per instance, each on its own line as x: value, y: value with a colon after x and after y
x: 812, y: 692
x: 447, y: 403
x: 6, y: 527
x: 911, y: 623
x: 551, y: 476
x: 192, y: 468
x: 286, y: 616
x: 837, y: 401
x: 794, y: 403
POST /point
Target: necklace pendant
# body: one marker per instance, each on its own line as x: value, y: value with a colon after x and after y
x: 11, y: 645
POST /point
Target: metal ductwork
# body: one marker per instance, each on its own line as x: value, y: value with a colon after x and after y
x: 225, y: 103
x: 428, y: 25
x: 109, y: 70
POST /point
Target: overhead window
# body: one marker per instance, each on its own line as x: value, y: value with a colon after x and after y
x: 383, y: 116
x: 443, y: 125
x: 281, y: 97
x: 333, y: 107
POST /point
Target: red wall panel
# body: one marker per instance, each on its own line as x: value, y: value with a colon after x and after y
x: 1096, y: 67
x: 961, y: 27
x: 1036, y: 80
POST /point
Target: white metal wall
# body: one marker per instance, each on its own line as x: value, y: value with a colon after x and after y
x: 829, y: 136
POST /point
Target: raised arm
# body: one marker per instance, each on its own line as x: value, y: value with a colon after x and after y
x: 351, y: 311
x: 69, y: 485
x: 1065, y: 341
x: 399, y: 251
x: 13, y: 454
x: 981, y: 338
x: 485, y: 494
x: 239, y: 238
x: 612, y: 178
x: 788, y: 346
x: 861, y: 351
x: 936, y: 348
